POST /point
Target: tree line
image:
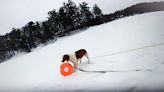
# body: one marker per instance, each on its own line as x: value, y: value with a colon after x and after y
x: 63, y: 22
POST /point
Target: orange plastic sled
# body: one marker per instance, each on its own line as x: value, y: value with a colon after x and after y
x: 66, y: 69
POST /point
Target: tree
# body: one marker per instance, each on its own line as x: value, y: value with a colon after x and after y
x: 32, y: 34
x: 97, y: 11
x: 98, y: 16
x: 72, y: 14
x: 53, y: 21
x: 86, y: 14
x: 62, y: 18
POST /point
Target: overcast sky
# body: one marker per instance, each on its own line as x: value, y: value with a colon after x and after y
x: 16, y: 13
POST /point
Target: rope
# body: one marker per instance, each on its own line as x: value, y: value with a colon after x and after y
x: 136, y: 70
x: 117, y: 53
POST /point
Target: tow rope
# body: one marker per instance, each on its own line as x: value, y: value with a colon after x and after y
x: 94, y: 71
x: 130, y: 50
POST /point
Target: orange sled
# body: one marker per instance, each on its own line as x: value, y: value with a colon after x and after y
x: 66, y: 69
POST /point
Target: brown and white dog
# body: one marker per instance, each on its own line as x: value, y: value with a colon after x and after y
x: 76, y: 57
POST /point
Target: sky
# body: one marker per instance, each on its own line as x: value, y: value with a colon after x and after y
x: 17, y: 13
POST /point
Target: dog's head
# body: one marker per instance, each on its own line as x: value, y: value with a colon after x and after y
x: 65, y: 58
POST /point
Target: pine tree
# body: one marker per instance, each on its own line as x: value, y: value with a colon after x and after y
x: 86, y: 14
x: 53, y: 22
x: 62, y: 18
x: 97, y: 11
x: 71, y: 13
x: 24, y: 44
x: 98, y: 16
x: 32, y: 34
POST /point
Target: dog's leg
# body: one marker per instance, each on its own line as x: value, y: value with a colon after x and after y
x: 75, y: 65
x: 87, y: 57
x: 80, y: 61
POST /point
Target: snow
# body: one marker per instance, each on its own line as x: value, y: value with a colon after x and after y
x: 39, y: 70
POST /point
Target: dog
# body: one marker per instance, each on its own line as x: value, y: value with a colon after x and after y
x: 76, y: 57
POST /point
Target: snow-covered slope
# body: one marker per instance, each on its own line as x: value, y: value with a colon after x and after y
x: 123, y: 45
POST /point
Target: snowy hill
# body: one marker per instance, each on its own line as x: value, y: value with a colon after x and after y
x: 133, y: 47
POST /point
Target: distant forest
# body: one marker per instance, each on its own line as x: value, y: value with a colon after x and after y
x: 69, y: 19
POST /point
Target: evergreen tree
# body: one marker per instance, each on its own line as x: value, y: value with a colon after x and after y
x: 24, y: 45
x: 62, y: 18
x: 47, y: 32
x: 97, y: 11
x: 53, y: 22
x: 72, y: 14
x: 98, y: 16
x: 86, y: 14
x: 32, y: 34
